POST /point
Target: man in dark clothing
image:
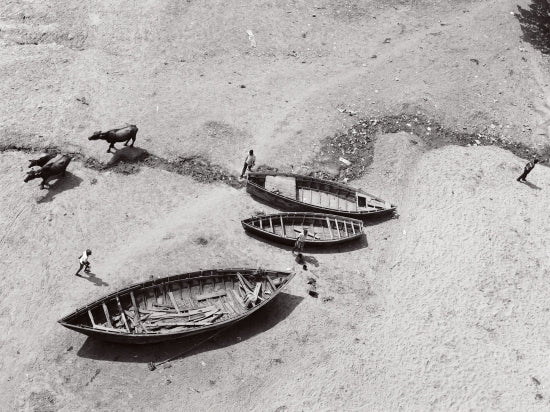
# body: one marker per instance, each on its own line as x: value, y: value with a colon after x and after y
x: 528, y: 167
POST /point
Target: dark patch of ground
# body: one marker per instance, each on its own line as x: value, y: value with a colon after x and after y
x: 535, y: 24
x: 357, y: 144
x: 129, y: 160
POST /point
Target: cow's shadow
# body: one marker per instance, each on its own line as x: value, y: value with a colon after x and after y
x: 60, y: 184
x: 127, y: 154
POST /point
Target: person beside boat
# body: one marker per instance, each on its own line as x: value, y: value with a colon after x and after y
x: 300, y: 240
x: 249, y: 162
x: 528, y: 167
x: 84, y: 262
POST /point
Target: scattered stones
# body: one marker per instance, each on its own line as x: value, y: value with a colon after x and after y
x: 348, y: 111
x: 312, y: 289
x: 328, y: 299
x: 201, y: 241
x: 83, y: 100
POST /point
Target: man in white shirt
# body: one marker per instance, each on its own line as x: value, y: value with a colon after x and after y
x: 299, y: 245
x: 249, y: 162
x: 83, y: 260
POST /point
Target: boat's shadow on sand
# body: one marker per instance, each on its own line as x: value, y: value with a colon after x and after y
x: 350, y: 246
x: 260, y: 321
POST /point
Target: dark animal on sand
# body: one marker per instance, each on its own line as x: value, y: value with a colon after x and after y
x: 41, y: 161
x: 54, y: 167
x: 123, y: 134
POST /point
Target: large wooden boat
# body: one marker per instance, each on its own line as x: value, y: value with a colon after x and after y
x: 303, y: 193
x: 177, y: 306
x: 323, y: 229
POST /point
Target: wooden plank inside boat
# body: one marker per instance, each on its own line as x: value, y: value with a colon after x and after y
x: 107, y: 316
x: 282, y: 226
x: 324, y: 199
x: 337, y: 228
x: 283, y: 185
x: 215, y: 294
x: 315, y: 198
x: 91, y: 317
x: 122, y: 314
x: 171, y: 295
x: 329, y: 228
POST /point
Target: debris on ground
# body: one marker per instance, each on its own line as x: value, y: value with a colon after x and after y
x: 312, y: 289
x: 251, y: 38
x: 348, y: 111
x: 345, y: 161
x: 356, y: 144
x: 328, y: 298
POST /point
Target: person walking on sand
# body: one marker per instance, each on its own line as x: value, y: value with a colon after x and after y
x: 528, y: 167
x: 84, y: 263
x: 249, y: 162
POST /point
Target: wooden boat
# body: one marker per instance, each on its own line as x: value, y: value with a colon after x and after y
x: 323, y: 229
x: 303, y: 193
x: 177, y: 306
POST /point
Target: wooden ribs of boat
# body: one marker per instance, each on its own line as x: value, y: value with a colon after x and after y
x: 323, y: 229
x: 177, y: 306
x: 304, y: 193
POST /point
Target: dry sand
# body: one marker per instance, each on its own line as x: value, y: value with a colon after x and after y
x: 443, y: 308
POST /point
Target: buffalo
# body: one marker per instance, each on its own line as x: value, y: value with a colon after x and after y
x: 123, y: 134
x: 55, y: 166
x: 41, y: 161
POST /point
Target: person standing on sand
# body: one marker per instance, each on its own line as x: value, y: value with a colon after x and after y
x: 84, y: 263
x: 299, y: 245
x: 249, y: 162
x: 528, y: 167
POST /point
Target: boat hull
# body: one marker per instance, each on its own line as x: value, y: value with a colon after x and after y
x: 256, y: 188
x: 322, y: 228
x: 181, y: 297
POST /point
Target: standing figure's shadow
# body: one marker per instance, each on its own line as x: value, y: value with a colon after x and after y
x: 302, y: 259
x: 91, y: 277
x: 531, y: 185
